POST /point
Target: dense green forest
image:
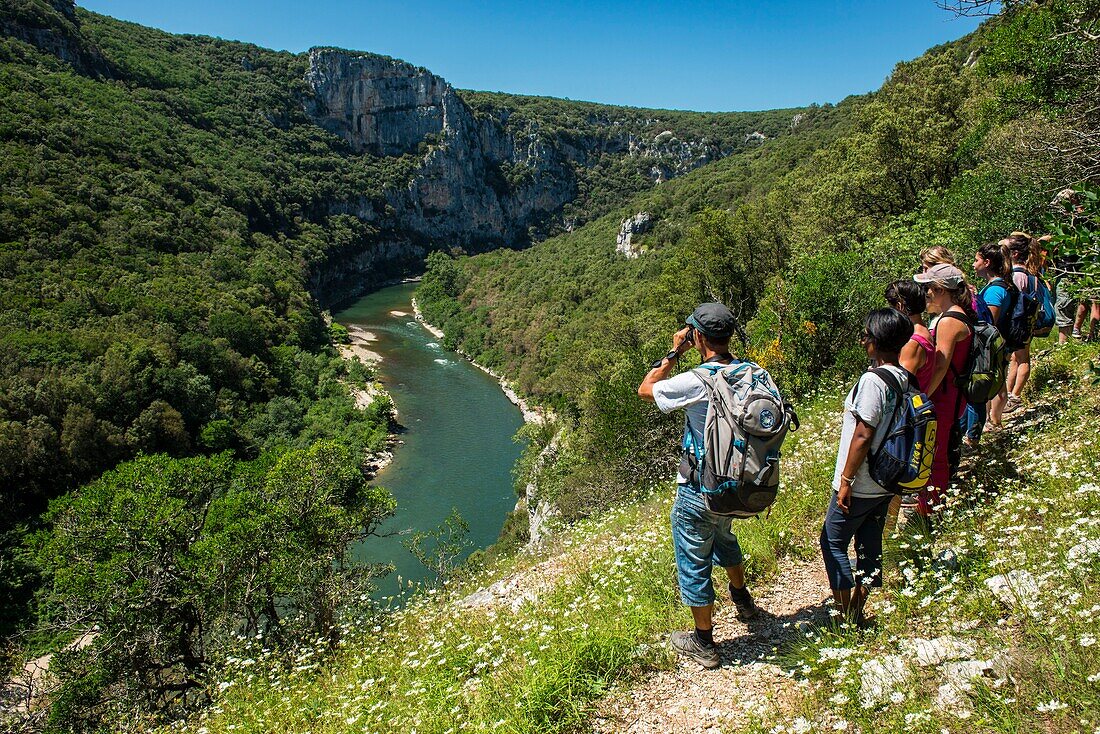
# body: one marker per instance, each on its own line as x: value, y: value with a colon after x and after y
x: 959, y: 147
x: 158, y: 218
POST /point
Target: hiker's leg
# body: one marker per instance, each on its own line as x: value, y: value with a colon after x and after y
x: 1079, y: 319
x: 1022, y: 358
x: 1094, y: 323
x: 997, y: 408
x: 868, y: 539
x: 736, y: 575
x: 892, y: 513
x: 1065, y: 308
x: 1013, y: 365
x: 727, y: 551
x: 693, y: 543
x: 836, y: 536
x: 703, y: 616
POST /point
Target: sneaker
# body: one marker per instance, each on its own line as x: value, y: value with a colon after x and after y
x: 742, y: 599
x: 688, y: 645
x: 969, y: 447
x: 1013, y: 404
x: 1077, y: 334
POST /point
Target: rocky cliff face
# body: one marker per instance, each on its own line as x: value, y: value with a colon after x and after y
x: 476, y: 186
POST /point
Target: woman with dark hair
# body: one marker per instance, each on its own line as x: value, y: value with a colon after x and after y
x: 948, y: 294
x: 1022, y: 249
x: 859, y: 504
x: 919, y: 355
x: 995, y: 299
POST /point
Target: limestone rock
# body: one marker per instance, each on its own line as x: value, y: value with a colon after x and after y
x: 1017, y: 588
x: 958, y: 680
x: 925, y: 653
x: 638, y: 224
x: 756, y: 137
x: 60, y: 36
x: 1083, y: 551
x: 880, y: 677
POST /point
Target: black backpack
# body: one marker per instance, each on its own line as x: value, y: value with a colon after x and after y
x: 983, y: 374
x: 1025, y: 312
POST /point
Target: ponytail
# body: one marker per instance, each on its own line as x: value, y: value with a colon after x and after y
x: 998, y: 257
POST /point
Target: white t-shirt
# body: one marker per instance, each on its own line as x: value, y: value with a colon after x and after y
x: 873, y: 402
x: 685, y: 390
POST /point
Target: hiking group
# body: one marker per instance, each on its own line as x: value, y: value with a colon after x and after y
x: 930, y: 393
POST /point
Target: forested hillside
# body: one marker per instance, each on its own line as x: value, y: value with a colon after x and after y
x: 959, y: 147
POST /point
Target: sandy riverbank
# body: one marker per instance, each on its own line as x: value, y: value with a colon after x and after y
x: 360, y: 349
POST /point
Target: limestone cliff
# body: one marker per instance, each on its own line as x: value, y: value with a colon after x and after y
x: 476, y: 186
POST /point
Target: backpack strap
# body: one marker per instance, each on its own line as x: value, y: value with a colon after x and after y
x: 892, y: 384
x: 970, y: 325
x: 705, y: 372
x: 969, y: 366
x: 1031, y: 285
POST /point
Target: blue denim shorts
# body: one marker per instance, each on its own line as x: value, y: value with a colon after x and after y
x: 700, y: 539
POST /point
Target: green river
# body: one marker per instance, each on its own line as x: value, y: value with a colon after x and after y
x: 457, y: 449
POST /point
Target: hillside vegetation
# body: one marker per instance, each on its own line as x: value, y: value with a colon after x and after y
x: 166, y: 374
x: 182, y: 465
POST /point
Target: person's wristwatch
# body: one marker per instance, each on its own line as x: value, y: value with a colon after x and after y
x: 671, y: 356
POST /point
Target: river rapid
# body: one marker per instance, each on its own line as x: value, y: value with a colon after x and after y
x: 457, y: 447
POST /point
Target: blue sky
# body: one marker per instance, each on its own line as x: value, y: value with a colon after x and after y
x: 720, y: 55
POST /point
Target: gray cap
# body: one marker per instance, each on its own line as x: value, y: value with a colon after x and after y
x: 714, y: 320
x: 943, y: 275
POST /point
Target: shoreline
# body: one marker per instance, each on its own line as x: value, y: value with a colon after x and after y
x: 531, y: 414
x: 359, y: 349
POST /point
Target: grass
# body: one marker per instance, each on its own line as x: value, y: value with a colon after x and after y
x: 538, y: 663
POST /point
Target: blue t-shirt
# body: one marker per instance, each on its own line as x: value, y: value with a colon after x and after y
x: 995, y: 294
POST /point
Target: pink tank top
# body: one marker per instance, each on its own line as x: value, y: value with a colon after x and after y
x: 924, y: 374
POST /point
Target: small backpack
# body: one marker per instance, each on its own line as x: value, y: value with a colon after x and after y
x: 984, y: 373
x: 903, y: 461
x: 1044, y: 318
x: 1024, y: 311
x: 747, y: 420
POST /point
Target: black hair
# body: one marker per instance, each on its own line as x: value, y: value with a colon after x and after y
x: 999, y: 258
x: 909, y: 294
x: 889, y: 329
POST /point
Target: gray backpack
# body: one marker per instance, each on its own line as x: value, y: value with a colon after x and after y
x: 747, y: 420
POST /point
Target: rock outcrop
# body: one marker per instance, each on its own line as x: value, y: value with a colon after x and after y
x: 638, y: 224
x: 476, y: 187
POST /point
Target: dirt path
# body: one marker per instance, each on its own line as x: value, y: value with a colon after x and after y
x: 690, y: 699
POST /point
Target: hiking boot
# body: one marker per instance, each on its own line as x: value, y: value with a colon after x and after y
x: 969, y: 447
x: 742, y: 599
x: 688, y: 645
x: 1013, y: 403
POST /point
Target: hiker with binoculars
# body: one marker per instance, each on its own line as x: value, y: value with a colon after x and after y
x: 735, y: 421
